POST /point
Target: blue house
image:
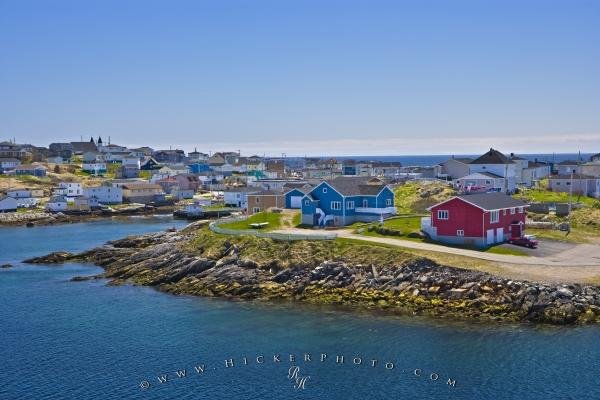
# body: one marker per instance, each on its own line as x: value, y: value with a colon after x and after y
x: 197, y: 168
x: 294, y: 192
x: 347, y: 199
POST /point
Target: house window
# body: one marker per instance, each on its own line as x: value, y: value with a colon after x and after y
x: 504, y: 212
x: 557, y: 183
x: 495, y: 216
x: 306, y: 202
x: 520, y: 210
x: 257, y: 200
x: 388, y: 202
x: 324, y: 190
x: 487, y: 182
x: 350, y: 205
x: 336, y: 205
x: 568, y: 183
x: 255, y: 210
x: 443, y: 214
x: 512, y: 211
x: 365, y: 203
x: 460, y: 232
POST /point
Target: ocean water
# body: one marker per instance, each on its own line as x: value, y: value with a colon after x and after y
x: 430, y: 160
x: 85, y: 340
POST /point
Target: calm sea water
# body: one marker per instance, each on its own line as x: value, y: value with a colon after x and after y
x: 85, y: 340
x: 430, y: 160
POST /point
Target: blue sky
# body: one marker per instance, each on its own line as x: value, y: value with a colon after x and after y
x: 304, y: 77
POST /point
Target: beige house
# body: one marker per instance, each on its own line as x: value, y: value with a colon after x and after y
x: 142, y: 192
x: 264, y: 200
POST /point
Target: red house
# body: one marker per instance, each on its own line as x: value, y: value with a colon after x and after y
x: 476, y: 219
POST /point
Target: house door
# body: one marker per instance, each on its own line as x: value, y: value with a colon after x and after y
x: 490, y: 236
x: 499, y: 235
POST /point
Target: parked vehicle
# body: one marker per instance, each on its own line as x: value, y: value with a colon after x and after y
x: 525, y: 241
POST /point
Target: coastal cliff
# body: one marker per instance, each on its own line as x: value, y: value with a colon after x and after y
x: 195, y: 261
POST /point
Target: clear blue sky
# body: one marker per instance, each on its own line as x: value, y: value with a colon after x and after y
x: 304, y: 77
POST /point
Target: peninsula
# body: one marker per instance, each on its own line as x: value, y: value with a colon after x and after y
x: 359, y: 275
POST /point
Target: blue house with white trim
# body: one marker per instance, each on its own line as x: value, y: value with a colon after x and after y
x: 347, y: 199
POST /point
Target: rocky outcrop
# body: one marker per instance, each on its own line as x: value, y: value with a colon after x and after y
x: 180, y: 263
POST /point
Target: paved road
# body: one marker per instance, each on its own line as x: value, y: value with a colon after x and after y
x: 569, y: 255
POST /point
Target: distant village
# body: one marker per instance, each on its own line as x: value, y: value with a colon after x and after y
x: 90, y: 175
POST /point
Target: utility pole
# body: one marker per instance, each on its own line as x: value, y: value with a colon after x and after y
x: 570, y: 202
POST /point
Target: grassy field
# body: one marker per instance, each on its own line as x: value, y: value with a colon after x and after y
x: 273, y: 220
x: 539, y: 195
x: 416, y: 197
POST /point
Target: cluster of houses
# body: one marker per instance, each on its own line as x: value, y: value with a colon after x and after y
x: 327, y: 191
x: 497, y: 172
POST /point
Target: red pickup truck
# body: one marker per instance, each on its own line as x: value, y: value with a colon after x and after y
x: 525, y: 241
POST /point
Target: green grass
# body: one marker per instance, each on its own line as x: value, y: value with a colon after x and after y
x: 274, y: 220
x: 539, y: 195
x: 297, y: 220
x: 416, y: 197
x: 403, y: 224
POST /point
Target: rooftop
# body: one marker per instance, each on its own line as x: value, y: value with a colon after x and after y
x: 492, y: 157
x: 492, y: 201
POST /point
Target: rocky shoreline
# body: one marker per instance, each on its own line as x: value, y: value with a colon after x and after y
x: 41, y: 218
x: 195, y: 261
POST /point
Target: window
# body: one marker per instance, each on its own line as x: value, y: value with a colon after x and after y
x: 307, y: 202
x: 255, y: 210
x: 488, y: 182
x: 512, y: 211
x: 443, y: 214
x: 568, y: 183
x: 365, y: 203
x: 557, y: 183
x: 257, y: 200
x: 495, y: 216
x: 388, y: 202
x: 324, y: 190
x: 350, y: 205
x: 504, y: 212
x: 336, y: 205
x: 520, y: 210
x: 460, y: 232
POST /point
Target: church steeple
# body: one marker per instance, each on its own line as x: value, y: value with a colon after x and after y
x: 99, y: 140
x: 92, y: 139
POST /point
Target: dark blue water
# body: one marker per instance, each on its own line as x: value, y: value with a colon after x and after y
x: 430, y: 160
x: 85, y: 340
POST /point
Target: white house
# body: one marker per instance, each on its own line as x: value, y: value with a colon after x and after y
x: 534, y: 172
x: 568, y: 167
x: 181, y: 194
x: 55, y: 160
x: 96, y: 168
x: 7, y: 204
x: 497, y: 163
x: 8, y: 163
x: 69, y: 189
x: 480, y: 182
x: 104, y: 194
x: 19, y: 193
x: 56, y: 204
x: 238, y: 197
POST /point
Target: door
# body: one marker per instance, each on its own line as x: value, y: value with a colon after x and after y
x: 499, y: 235
x: 296, y: 201
x: 490, y: 236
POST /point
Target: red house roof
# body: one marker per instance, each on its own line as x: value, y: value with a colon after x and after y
x: 487, y: 201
